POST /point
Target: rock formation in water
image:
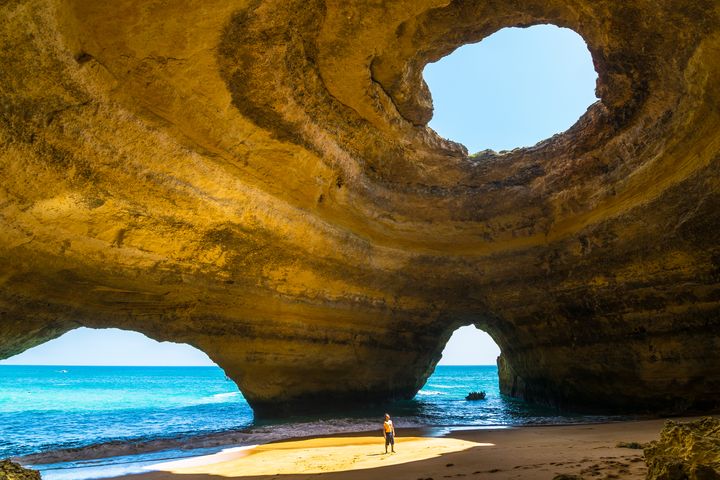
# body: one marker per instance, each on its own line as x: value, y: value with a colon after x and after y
x: 686, y: 451
x: 257, y: 179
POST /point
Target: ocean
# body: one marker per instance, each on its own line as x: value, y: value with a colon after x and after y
x: 125, y: 412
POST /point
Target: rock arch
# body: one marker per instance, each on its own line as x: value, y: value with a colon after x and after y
x: 256, y: 179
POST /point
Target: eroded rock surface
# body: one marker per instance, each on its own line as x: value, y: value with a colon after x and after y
x: 12, y: 471
x: 686, y: 451
x: 256, y: 178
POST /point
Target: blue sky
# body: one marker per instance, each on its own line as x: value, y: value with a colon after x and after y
x: 85, y: 346
x: 110, y: 346
x: 513, y: 89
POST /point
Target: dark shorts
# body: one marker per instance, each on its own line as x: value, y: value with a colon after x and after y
x: 389, y: 439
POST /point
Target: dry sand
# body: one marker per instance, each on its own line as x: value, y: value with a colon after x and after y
x: 516, y: 453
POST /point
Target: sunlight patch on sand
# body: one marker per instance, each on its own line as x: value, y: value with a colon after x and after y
x: 317, y: 455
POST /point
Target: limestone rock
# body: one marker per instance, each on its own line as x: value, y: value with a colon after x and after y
x: 686, y: 451
x: 12, y: 471
x: 257, y: 179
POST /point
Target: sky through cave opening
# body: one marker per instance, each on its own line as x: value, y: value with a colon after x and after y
x: 110, y: 347
x: 513, y: 89
x: 470, y: 346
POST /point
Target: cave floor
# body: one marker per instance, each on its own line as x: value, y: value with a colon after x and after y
x: 589, y: 451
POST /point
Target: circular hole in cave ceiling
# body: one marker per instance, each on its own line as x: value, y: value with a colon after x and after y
x: 515, y: 88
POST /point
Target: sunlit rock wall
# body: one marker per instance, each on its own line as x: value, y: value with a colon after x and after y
x: 256, y: 178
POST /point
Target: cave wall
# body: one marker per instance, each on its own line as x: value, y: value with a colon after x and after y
x: 256, y: 179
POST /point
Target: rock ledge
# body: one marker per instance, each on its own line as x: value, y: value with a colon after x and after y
x: 686, y: 451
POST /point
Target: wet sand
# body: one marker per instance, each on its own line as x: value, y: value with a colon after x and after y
x: 514, y: 453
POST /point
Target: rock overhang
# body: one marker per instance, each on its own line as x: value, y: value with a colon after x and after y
x: 256, y: 179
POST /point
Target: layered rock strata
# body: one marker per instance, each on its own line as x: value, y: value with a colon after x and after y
x: 257, y: 179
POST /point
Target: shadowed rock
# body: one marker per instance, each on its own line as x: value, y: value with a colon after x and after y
x: 475, y: 396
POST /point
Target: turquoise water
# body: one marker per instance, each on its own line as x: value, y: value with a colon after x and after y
x: 47, y: 408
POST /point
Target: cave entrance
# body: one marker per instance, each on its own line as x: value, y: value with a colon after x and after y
x: 94, y: 386
x: 515, y: 88
x: 468, y: 364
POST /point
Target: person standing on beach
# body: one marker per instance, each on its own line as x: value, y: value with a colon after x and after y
x: 389, y: 433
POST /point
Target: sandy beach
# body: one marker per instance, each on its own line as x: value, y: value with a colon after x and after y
x: 514, y: 453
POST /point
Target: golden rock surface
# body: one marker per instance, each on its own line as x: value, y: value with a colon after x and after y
x: 256, y: 178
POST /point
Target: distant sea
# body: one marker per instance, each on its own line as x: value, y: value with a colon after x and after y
x: 49, y: 408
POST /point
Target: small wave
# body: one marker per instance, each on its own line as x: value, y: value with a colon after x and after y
x: 216, y: 398
x: 226, y: 395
